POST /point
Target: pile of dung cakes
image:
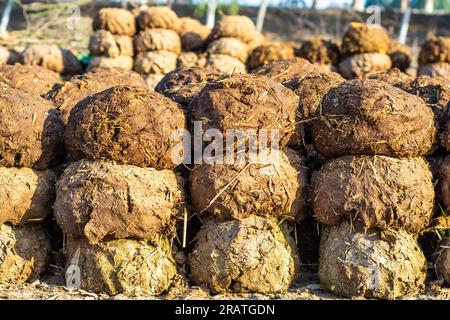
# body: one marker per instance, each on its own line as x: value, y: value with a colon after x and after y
x: 375, y: 194
x: 434, y: 57
x: 230, y: 43
x: 30, y: 146
x: 111, y: 44
x: 157, y: 43
x: 118, y: 198
x: 193, y: 35
x: 321, y: 51
x: 245, y: 243
x: 364, y: 50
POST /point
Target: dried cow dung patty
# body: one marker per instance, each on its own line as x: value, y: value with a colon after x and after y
x: 239, y: 27
x: 320, y: 51
x: 103, y: 42
x: 444, y: 183
x: 442, y: 264
x: 374, y: 192
x: 159, y: 62
x: 365, y: 38
x: 193, y: 34
x: 445, y: 129
x: 158, y: 17
x: 26, y: 195
x: 394, y: 77
x: 364, y: 64
x: 24, y: 253
x: 372, y: 117
x: 236, y: 191
x: 66, y: 96
x: 284, y: 70
x: 116, y: 21
x: 121, y: 62
x: 378, y: 264
x: 437, y: 69
x: 184, y: 84
x: 126, y: 124
x: 152, y: 80
x: 244, y: 102
x: 229, y: 46
x: 31, y: 130
x: 51, y: 56
x: 251, y: 255
x: 157, y: 39
x: 400, y: 55
x: 436, y: 49
x: 269, y: 52
x: 32, y: 79
x: 226, y: 64
x: 101, y: 200
x: 8, y: 56
x: 131, y: 267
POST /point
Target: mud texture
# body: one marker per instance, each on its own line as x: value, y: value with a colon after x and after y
x: 26, y: 195
x: 116, y: 21
x: 245, y: 102
x: 193, y: 34
x: 24, y: 253
x: 225, y: 64
x: 251, y: 255
x: 268, y: 53
x: 31, y: 130
x: 364, y: 38
x: 237, y: 191
x: 131, y: 267
x: 127, y: 124
x: 66, y: 96
x: 184, y: 84
x: 436, y: 49
x: 229, y: 46
x: 374, y: 192
x: 159, y: 62
x: 372, y: 117
x: 53, y: 57
x: 157, y: 39
x: 364, y: 64
x: 100, y: 200
x: 158, y: 17
x: 103, y: 42
x: 320, y: 51
x: 378, y: 264
x: 34, y: 80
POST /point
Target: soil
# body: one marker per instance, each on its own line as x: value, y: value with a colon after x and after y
x: 66, y: 96
x: 127, y: 124
x: 226, y: 64
x: 105, y: 43
x: 158, y: 17
x: 364, y: 38
x: 377, y: 264
x: 157, y: 39
x: 269, y: 52
x: 229, y: 46
x: 245, y: 102
x: 251, y: 255
x: 184, y: 84
x: 436, y: 49
x: 237, y: 191
x: 320, y: 51
x: 121, y: 62
x: 372, y: 117
x: 374, y: 192
x: 437, y: 69
x: 53, y: 57
x: 193, y: 34
x: 31, y: 130
x: 24, y: 253
x: 364, y: 64
x: 34, y: 80
x: 26, y: 195
x: 125, y: 266
x: 159, y: 62
x: 116, y: 21
x: 101, y: 200
x: 394, y: 77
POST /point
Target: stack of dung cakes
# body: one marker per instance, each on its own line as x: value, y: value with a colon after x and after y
x: 119, y: 199
x: 376, y: 193
x: 245, y: 244
x: 320, y: 51
x: 230, y: 42
x: 193, y: 35
x: 65, y: 96
x: 434, y: 57
x: 112, y: 42
x: 157, y: 44
x: 30, y: 145
x: 365, y: 50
